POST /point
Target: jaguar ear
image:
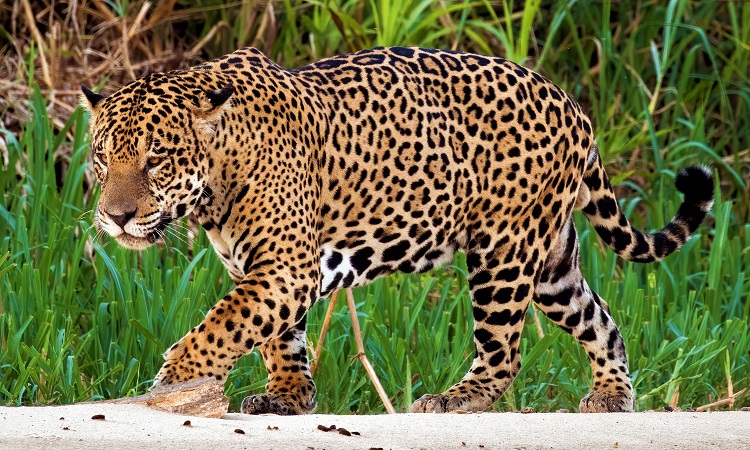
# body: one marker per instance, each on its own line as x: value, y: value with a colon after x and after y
x: 90, y: 99
x: 209, y: 104
x: 218, y: 97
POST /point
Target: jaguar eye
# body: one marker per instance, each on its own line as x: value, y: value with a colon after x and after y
x: 101, y: 157
x: 153, y: 161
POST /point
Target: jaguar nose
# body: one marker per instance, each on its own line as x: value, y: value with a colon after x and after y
x: 121, y: 219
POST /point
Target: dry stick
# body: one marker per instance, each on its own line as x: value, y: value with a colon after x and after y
x: 103, y: 10
x: 52, y: 35
x: 360, y: 346
x: 400, y: 393
x: 723, y: 401
x: 163, y: 9
x: 31, y: 23
x: 675, y: 397
x: 135, y: 28
x: 262, y: 30
x: 210, y: 35
x: 202, y: 398
x: 323, y: 331
x: 273, y: 33
x: 193, y: 52
x: 126, y: 52
x: 361, y: 355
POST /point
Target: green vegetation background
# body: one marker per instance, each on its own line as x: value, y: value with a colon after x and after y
x: 666, y: 84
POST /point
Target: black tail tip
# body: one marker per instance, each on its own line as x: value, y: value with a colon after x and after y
x: 697, y: 183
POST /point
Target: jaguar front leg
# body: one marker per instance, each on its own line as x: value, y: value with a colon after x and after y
x: 290, y: 389
x: 256, y: 312
x: 275, y: 245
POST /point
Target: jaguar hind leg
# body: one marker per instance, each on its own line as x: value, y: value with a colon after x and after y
x: 566, y: 299
x: 501, y: 293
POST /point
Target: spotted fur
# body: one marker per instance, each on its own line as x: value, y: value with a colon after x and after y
x: 334, y: 174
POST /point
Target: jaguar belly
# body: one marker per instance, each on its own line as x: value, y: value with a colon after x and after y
x: 344, y: 268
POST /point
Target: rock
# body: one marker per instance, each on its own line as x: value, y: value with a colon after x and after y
x: 200, y: 398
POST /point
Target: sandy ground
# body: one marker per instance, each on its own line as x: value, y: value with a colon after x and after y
x: 135, y: 427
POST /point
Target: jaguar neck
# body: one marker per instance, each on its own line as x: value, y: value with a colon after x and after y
x: 217, y: 198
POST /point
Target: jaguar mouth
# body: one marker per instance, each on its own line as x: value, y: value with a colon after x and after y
x: 157, y: 232
x: 134, y: 242
x: 149, y: 238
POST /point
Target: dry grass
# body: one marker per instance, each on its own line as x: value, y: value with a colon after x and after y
x: 61, y: 45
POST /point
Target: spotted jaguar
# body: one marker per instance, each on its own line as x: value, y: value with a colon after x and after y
x: 331, y: 175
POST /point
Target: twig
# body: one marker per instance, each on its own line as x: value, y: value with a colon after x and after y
x: 31, y: 23
x: 323, y: 331
x: 723, y: 401
x: 135, y: 28
x: 675, y: 397
x: 163, y: 9
x: 361, y: 355
x: 400, y: 393
x: 207, y: 38
x: 203, y: 397
x: 360, y: 346
x: 103, y: 10
x: 126, y: 52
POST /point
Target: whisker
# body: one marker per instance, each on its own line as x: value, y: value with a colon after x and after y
x: 178, y: 237
x: 177, y: 231
x: 176, y: 228
x: 178, y: 224
x: 97, y: 237
x: 204, y: 193
x: 88, y: 228
x: 84, y: 213
x: 187, y: 231
x: 164, y: 237
x: 183, y: 229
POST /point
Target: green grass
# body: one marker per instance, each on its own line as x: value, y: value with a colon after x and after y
x: 81, y: 318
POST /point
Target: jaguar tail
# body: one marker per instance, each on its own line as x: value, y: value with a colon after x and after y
x: 598, y: 202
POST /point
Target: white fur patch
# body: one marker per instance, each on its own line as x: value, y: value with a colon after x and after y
x: 328, y: 275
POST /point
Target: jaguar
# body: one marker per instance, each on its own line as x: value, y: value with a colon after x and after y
x: 331, y: 175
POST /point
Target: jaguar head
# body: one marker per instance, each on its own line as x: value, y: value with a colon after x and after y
x: 150, y: 143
